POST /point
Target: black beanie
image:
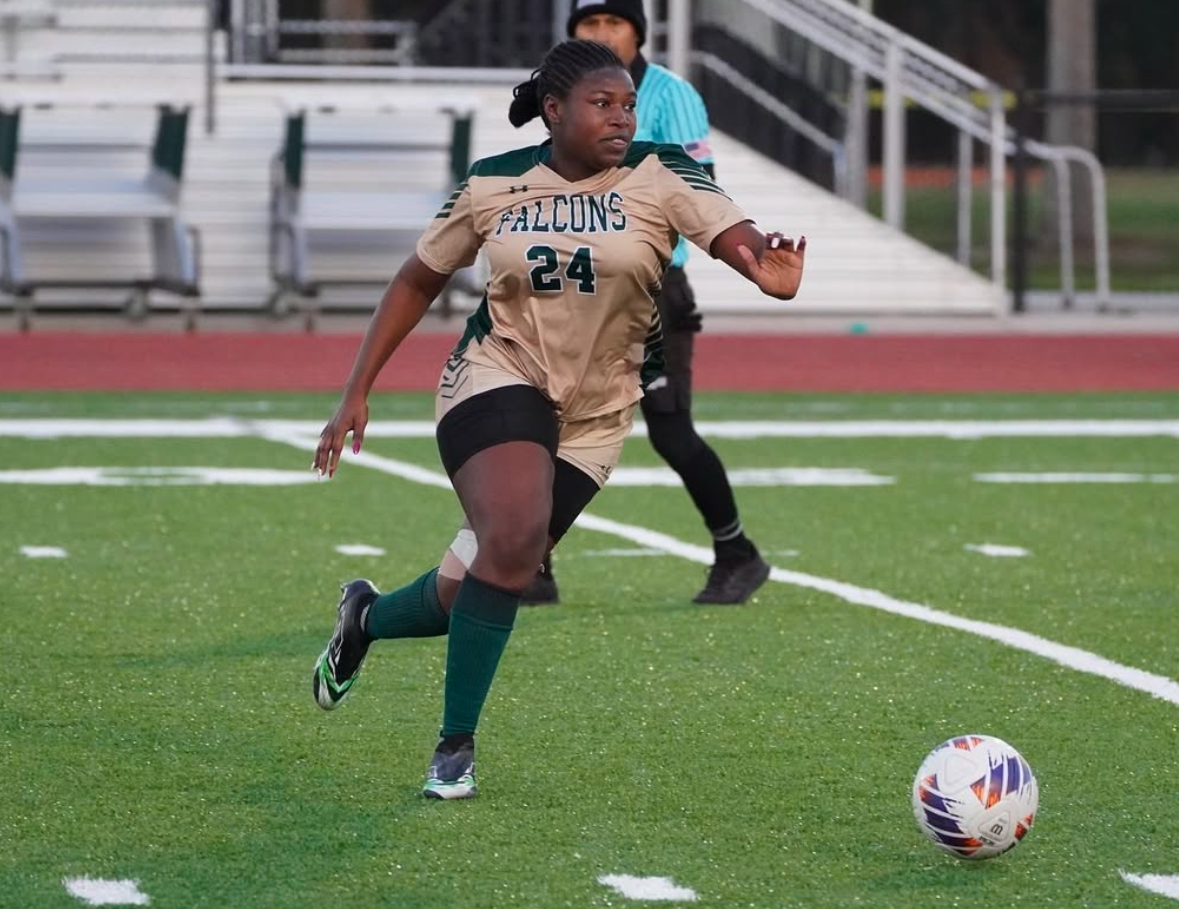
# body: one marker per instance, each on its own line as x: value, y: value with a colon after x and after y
x: 631, y: 10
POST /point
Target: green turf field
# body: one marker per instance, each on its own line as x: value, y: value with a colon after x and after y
x: 158, y: 724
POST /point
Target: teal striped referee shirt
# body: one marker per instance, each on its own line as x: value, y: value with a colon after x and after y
x: 670, y: 110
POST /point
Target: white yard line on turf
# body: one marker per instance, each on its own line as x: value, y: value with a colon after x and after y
x: 227, y: 427
x: 757, y: 476
x: 997, y: 550
x: 359, y: 549
x: 1162, y: 884
x: 155, y: 476
x: 43, y: 552
x: 209, y: 428
x: 619, y: 553
x: 947, y: 429
x: 1090, y: 477
x: 1073, y: 657
x: 99, y: 892
x: 648, y: 888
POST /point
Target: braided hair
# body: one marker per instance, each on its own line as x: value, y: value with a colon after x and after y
x: 561, y: 69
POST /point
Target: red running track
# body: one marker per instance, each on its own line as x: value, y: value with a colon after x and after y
x: 821, y: 363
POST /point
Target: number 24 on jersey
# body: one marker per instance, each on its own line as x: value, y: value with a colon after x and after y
x: 548, y: 277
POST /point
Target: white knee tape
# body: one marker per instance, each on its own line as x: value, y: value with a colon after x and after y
x: 459, y: 556
x: 465, y: 546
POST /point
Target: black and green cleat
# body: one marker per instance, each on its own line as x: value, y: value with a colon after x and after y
x: 338, y: 666
x: 451, y: 774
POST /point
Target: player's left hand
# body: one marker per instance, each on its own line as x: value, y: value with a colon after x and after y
x: 779, y: 273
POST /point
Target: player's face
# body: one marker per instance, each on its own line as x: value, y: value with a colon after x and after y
x: 615, y: 31
x: 597, y: 120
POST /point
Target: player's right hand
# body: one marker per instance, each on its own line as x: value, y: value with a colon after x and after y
x: 351, y: 417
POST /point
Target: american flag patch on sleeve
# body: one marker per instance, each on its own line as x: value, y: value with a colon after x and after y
x: 700, y: 150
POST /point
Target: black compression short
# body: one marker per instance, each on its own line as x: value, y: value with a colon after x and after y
x: 513, y: 413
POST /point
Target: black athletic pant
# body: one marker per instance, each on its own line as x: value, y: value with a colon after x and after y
x: 667, y: 409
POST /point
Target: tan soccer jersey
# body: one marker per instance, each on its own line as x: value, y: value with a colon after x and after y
x: 574, y: 266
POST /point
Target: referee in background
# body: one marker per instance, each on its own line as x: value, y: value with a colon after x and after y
x: 670, y: 110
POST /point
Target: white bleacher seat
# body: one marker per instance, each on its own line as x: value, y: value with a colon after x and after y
x: 116, y: 199
x: 380, y: 211
x: 392, y: 212
x: 93, y: 200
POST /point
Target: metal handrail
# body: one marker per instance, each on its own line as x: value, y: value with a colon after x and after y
x: 841, y: 20
x: 1059, y: 157
x: 910, y: 69
x: 344, y: 27
x: 787, y: 115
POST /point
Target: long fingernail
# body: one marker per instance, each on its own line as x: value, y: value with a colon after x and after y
x: 356, y: 448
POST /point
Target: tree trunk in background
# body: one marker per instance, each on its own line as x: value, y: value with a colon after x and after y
x: 1072, y: 67
x: 347, y: 10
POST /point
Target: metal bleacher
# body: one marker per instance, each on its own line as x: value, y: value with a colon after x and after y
x: 323, y: 186
x: 114, y: 31
x: 94, y: 145
x: 304, y: 197
x: 94, y: 184
x: 306, y: 184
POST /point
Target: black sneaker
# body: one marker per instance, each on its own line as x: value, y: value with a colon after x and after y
x: 338, y: 666
x: 731, y: 583
x: 452, y: 769
x: 542, y: 589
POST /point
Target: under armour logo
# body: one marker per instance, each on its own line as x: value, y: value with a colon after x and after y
x: 522, y: 188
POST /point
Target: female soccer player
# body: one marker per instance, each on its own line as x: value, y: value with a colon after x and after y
x: 669, y: 109
x: 539, y: 394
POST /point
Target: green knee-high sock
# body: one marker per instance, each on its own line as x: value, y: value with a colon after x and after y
x: 480, y: 625
x: 410, y: 612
